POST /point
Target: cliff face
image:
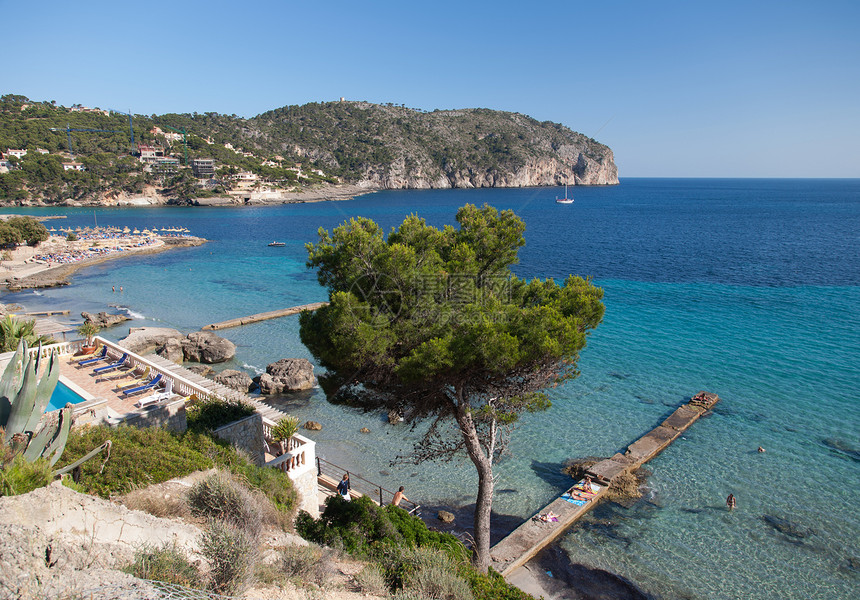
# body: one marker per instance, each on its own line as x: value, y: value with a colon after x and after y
x: 393, y: 147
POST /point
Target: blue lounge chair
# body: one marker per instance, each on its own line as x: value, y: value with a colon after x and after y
x: 142, y: 388
x: 114, y: 365
x: 100, y: 357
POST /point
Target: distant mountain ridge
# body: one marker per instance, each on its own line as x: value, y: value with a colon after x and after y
x: 282, y: 152
x: 394, y: 147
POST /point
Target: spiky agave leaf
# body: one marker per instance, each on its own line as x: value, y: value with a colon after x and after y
x: 48, y: 431
x: 11, y: 381
x: 55, y: 449
x: 44, y: 390
x: 25, y: 400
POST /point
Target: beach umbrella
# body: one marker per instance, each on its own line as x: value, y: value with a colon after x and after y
x: 136, y: 230
x: 52, y: 229
x: 126, y: 229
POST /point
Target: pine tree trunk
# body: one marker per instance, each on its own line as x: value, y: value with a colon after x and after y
x: 484, y: 501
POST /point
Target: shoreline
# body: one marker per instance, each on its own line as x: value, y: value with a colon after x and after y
x: 46, y: 275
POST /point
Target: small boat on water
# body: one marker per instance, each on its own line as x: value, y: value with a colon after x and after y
x: 278, y: 244
x: 564, y: 200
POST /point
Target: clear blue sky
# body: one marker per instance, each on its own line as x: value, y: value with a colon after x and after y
x: 676, y: 89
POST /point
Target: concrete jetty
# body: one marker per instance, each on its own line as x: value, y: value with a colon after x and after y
x: 532, y: 536
x: 272, y: 314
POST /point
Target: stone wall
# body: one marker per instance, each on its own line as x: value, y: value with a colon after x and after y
x: 247, y: 435
x: 307, y: 487
x: 170, y: 415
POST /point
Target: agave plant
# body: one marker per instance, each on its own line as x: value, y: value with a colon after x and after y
x: 23, y: 399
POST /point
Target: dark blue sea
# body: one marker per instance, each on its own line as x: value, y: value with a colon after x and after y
x: 747, y: 288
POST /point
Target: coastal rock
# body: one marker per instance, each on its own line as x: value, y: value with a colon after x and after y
x: 445, y: 516
x: 141, y: 340
x: 206, y: 347
x: 237, y: 380
x: 364, y: 430
x: 104, y: 320
x: 313, y: 426
x: 394, y: 416
x: 171, y: 350
x: 202, y: 370
x: 287, y: 375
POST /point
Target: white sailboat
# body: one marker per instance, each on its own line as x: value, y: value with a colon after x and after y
x: 564, y: 200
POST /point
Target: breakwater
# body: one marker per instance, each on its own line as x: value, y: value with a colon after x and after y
x: 537, y: 533
x: 264, y: 316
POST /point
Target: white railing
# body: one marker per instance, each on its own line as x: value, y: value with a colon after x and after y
x: 299, y: 457
x: 61, y: 349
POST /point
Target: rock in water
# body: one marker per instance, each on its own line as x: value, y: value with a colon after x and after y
x: 207, y: 347
x: 394, y: 416
x: 143, y: 339
x: 287, y: 375
x: 104, y: 320
x: 364, y: 430
x: 172, y: 350
x: 238, y: 380
x: 445, y: 516
x: 313, y: 426
x: 202, y: 370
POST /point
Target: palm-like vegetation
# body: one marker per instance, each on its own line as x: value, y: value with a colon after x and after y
x: 13, y: 329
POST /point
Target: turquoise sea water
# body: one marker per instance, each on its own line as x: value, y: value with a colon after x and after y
x: 747, y: 288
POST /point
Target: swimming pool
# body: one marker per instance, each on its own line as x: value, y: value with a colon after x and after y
x: 62, y: 395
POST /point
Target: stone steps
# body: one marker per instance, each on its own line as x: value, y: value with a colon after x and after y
x: 217, y: 389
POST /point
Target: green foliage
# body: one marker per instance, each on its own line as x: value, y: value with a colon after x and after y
x: 14, y: 329
x: 360, y: 526
x: 31, y: 230
x: 88, y: 329
x: 167, y: 563
x: 434, y: 323
x: 286, y: 428
x: 9, y: 236
x: 231, y: 552
x: 21, y: 476
x: 141, y: 457
x: 491, y: 586
x: 273, y: 483
x: 211, y: 412
x: 71, y: 237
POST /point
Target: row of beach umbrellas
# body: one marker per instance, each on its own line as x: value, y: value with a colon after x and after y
x: 134, y: 231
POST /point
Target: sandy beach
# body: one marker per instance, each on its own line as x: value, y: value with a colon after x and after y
x: 27, y: 267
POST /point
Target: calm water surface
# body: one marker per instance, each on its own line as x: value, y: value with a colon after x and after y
x: 748, y: 288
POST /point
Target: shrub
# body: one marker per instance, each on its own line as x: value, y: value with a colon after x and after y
x: 371, y: 580
x: 274, y: 484
x: 491, y: 586
x: 220, y: 497
x: 211, y: 412
x: 308, y: 563
x: 231, y: 553
x: 436, y: 577
x: 155, y: 502
x: 20, y: 476
x: 168, y: 564
x: 71, y: 237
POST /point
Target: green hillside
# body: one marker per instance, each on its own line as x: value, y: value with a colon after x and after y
x: 287, y: 149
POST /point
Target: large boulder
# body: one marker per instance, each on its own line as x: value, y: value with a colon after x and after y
x: 104, y: 320
x: 206, y: 347
x: 287, y: 375
x: 141, y: 340
x: 237, y: 380
x: 171, y: 350
x: 202, y: 370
